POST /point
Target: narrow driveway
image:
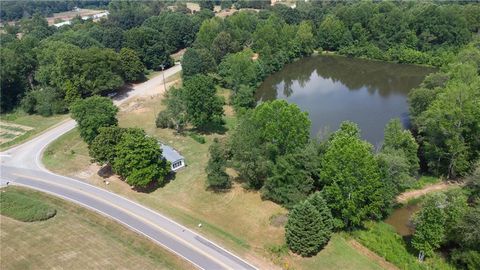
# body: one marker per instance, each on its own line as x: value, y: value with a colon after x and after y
x: 22, y: 165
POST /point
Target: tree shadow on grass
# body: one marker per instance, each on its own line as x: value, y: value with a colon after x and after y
x: 106, y: 172
x: 154, y: 185
x: 217, y: 127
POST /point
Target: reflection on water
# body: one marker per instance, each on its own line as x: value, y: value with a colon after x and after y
x: 400, y: 219
x: 333, y: 89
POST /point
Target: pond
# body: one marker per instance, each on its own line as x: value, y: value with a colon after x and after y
x: 333, y: 89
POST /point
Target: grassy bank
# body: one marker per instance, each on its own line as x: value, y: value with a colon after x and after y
x: 33, y: 125
x: 383, y: 240
x: 238, y: 219
x: 76, y: 238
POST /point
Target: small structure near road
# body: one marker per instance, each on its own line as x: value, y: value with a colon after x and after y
x: 176, y: 160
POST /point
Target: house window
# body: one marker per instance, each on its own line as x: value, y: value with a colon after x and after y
x: 176, y: 164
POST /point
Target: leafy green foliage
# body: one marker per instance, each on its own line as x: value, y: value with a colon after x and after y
x: 249, y: 152
x: 292, y: 178
x: 23, y: 208
x: 139, y: 159
x: 282, y: 126
x: 272, y: 129
x: 430, y: 225
x: 197, y: 61
x: 44, y: 101
x: 396, y: 138
x: 202, y: 104
x: 177, y: 28
x: 217, y: 178
x: 102, y: 149
x: 304, y: 231
x: 447, y: 122
x: 150, y: 46
x: 240, y: 69
x: 243, y: 98
x: 175, y: 116
x: 332, y: 34
x: 350, y: 173
x: 91, y: 71
x: 93, y: 113
x: 132, y: 67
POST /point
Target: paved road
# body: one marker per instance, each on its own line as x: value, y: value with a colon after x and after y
x: 21, y: 165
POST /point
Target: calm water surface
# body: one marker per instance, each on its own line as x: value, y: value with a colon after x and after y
x: 400, y: 219
x: 333, y: 89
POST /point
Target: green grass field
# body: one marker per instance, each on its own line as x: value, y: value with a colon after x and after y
x: 238, y: 219
x: 76, y: 238
x: 24, y: 208
x: 36, y: 122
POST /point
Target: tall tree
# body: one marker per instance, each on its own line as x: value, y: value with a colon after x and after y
x: 103, y: 148
x: 396, y: 138
x: 291, y: 180
x: 197, y: 61
x: 353, y: 189
x: 430, y: 225
x: 217, y: 178
x: 93, y: 113
x: 202, y: 104
x: 282, y: 125
x: 240, y: 69
x: 132, y: 67
x: 139, y: 159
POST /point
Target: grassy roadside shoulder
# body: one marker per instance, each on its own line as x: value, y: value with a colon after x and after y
x: 77, y: 238
x: 37, y: 123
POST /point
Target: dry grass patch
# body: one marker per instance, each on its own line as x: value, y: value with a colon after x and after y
x: 17, y: 127
x: 77, y: 238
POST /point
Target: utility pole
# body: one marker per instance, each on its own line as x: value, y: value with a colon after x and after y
x: 163, y: 74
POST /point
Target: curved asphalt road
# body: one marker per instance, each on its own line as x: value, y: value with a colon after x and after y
x: 21, y: 165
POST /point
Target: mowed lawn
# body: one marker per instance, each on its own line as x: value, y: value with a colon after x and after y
x: 238, y: 219
x: 37, y: 123
x: 77, y: 238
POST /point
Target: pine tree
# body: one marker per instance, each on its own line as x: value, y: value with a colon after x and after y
x: 217, y: 178
x: 303, y: 231
x: 317, y: 200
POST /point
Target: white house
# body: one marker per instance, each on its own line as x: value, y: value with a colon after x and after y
x: 176, y: 160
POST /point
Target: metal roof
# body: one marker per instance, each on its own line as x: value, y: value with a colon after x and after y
x: 170, y: 154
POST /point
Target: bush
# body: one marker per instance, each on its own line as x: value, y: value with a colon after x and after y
x: 45, y: 101
x: 15, y: 205
x: 163, y: 120
x: 469, y: 259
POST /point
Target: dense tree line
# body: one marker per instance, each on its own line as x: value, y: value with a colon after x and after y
x: 88, y: 58
x: 15, y: 10
x: 445, y: 115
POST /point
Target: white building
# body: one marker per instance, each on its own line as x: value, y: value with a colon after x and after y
x: 176, y: 160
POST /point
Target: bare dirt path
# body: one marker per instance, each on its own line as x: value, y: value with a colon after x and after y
x: 420, y: 192
x: 372, y: 255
